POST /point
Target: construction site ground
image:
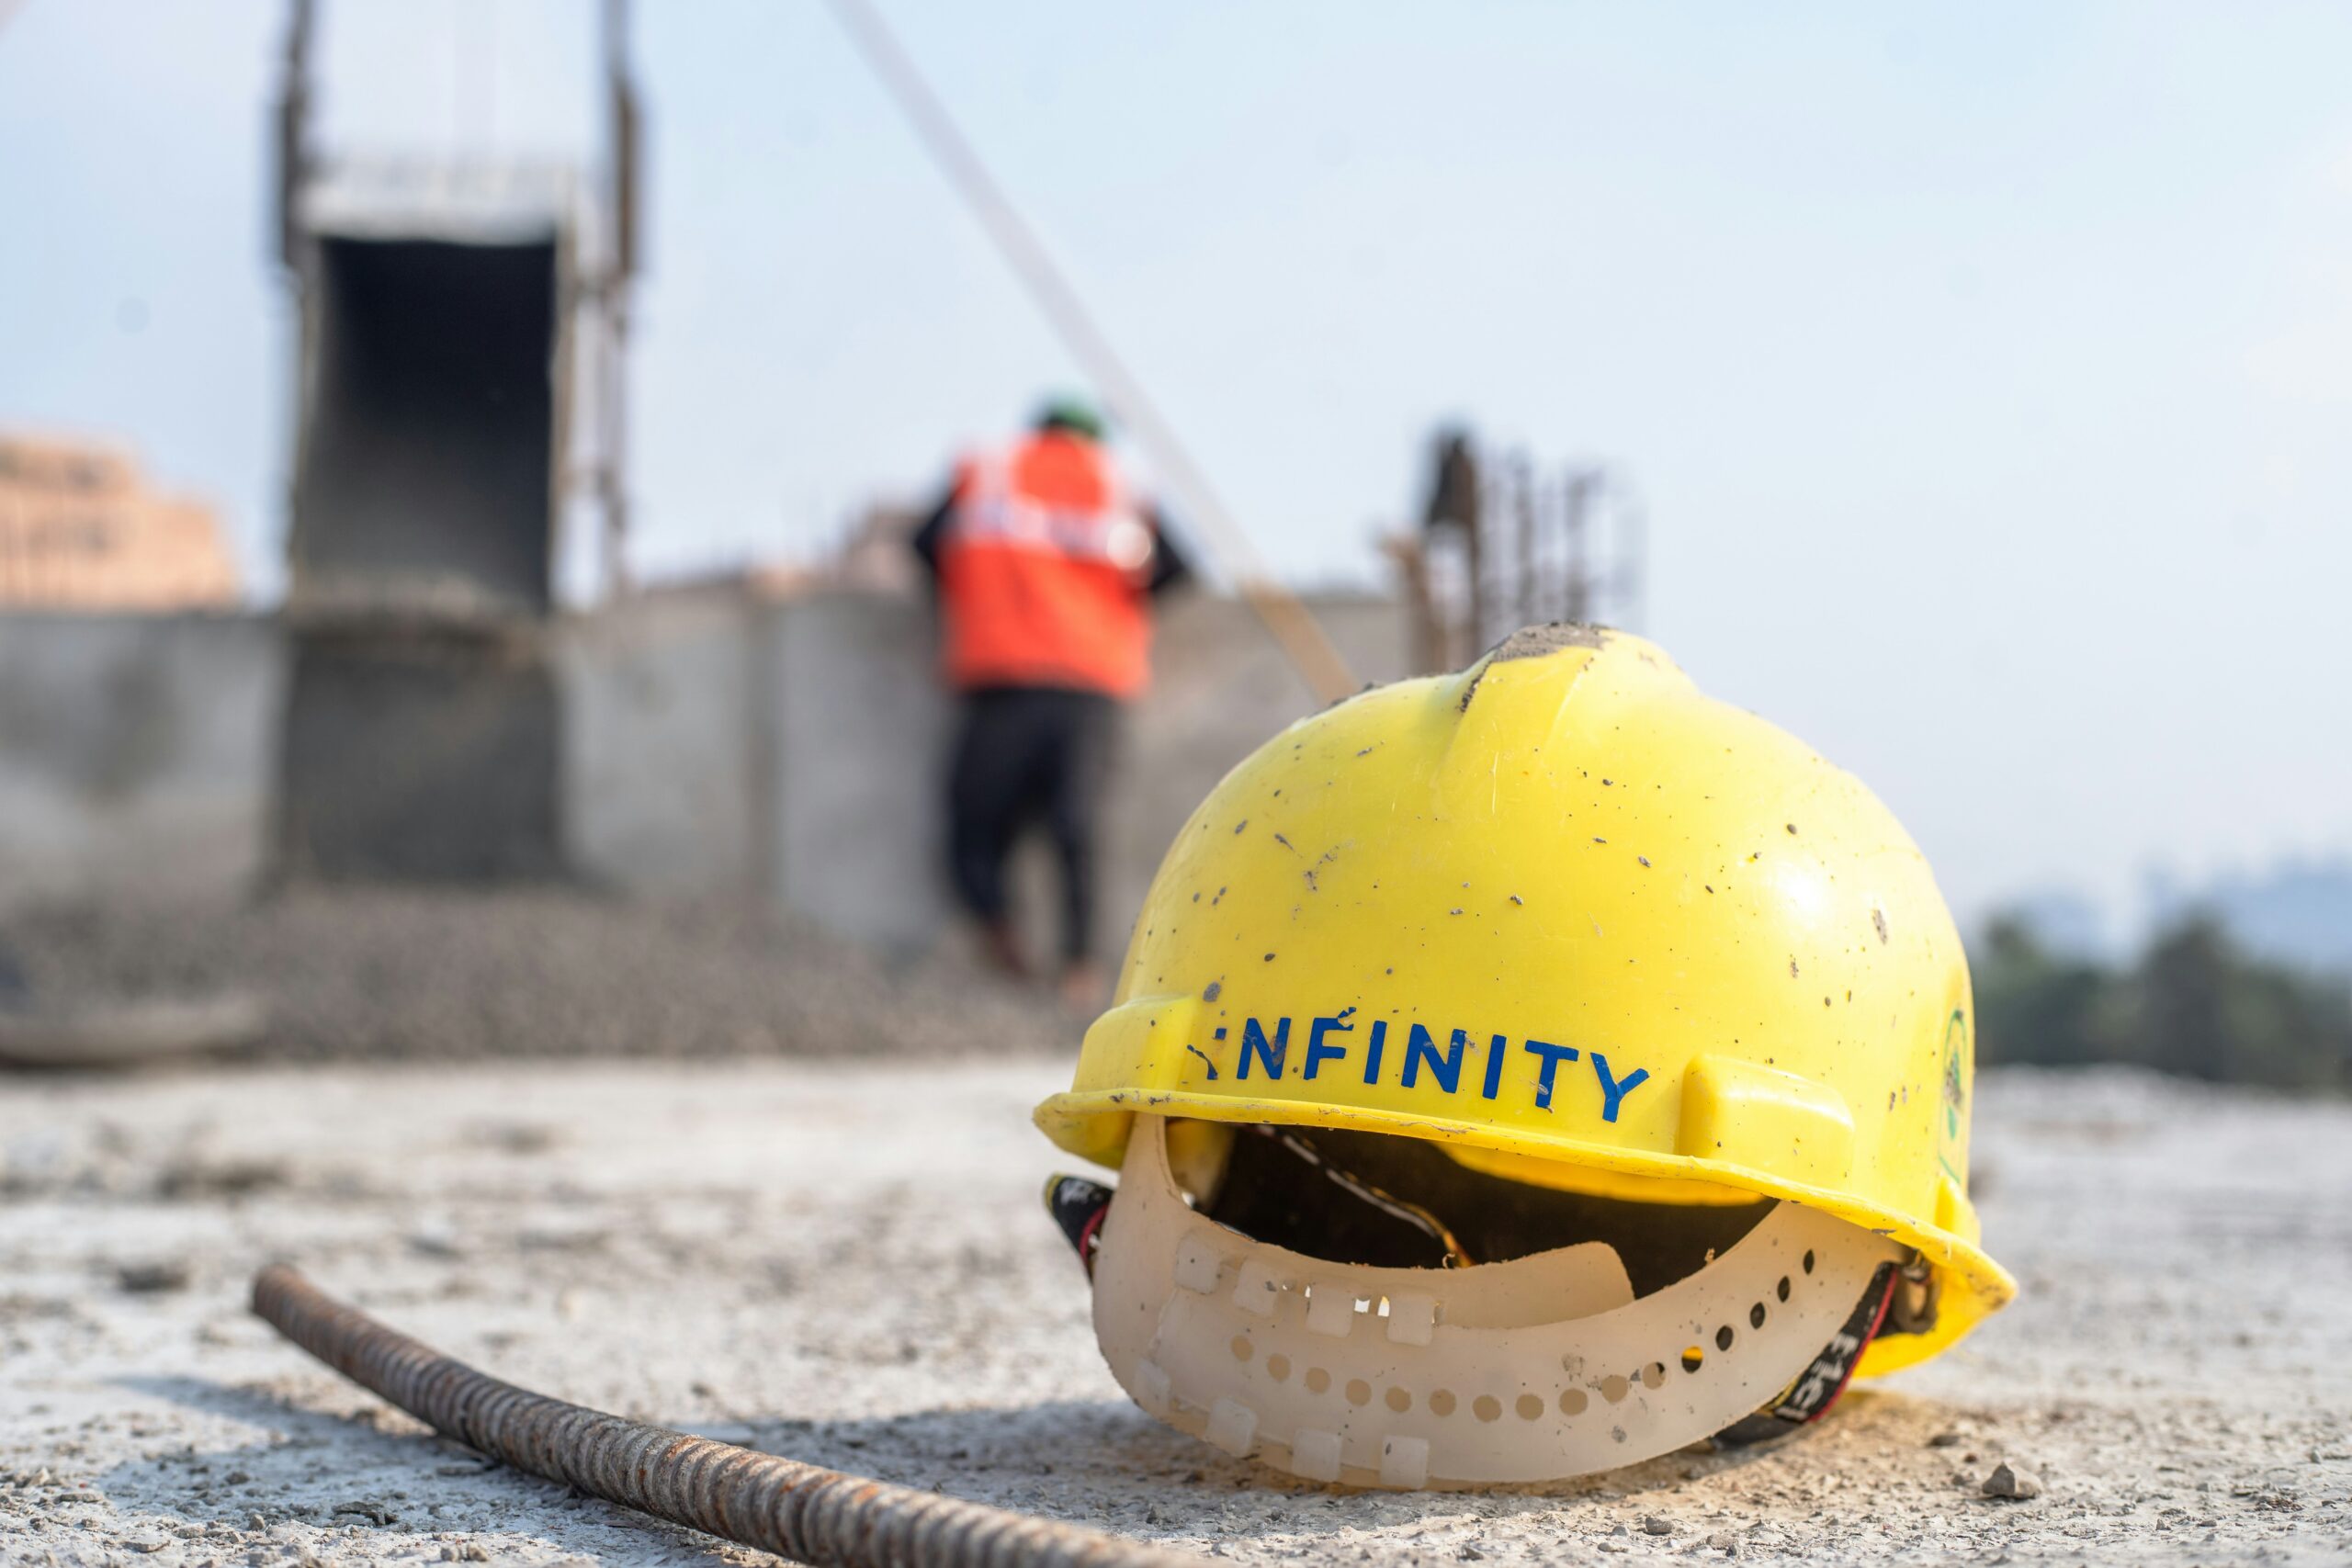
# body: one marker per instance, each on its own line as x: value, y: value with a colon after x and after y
x: 848, y: 1264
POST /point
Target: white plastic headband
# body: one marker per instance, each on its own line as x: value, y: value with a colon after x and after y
x: 1533, y: 1370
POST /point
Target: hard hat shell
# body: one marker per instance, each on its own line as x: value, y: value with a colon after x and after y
x: 1579, y: 924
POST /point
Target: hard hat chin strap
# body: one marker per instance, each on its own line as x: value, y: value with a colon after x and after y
x: 1534, y: 1368
x: 1079, y: 1206
x: 1815, y: 1389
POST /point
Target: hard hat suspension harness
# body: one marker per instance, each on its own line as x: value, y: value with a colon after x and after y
x: 1541, y: 1360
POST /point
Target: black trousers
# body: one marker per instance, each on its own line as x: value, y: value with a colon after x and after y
x: 1030, y: 755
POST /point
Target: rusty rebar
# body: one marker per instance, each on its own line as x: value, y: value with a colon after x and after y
x: 803, y: 1511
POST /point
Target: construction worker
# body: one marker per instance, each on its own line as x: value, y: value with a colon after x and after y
x: 1523, y: 1072
x: 1045, y: 564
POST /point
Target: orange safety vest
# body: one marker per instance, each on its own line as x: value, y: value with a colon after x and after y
x: 1042, y: 571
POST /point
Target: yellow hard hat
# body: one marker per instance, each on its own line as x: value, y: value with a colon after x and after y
x: 1586, y: 931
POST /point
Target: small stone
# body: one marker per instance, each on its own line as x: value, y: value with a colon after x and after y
x: 146, y: 1279
x: 1652, y: 1525
x: 2013, y: 1482
x: 1471, y: 1555
x: 1946, y: 1440
x: 472, y: 1552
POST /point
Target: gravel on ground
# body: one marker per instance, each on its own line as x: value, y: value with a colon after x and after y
x: 376, y: 974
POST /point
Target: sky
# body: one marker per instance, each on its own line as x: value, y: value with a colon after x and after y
x: 1985, y: 371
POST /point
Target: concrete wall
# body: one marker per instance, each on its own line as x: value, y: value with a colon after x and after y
x: 713, y: 745
x: 860, y: 745
x: 410, y: 754
x: 683, y: 713
x: 136, y: 756
x: 720, y: 744
x: 658, y: 775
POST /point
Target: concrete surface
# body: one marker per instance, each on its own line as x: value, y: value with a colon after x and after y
x: 848, y: 1265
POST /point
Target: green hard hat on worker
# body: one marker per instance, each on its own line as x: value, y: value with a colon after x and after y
x: 1073, y: 414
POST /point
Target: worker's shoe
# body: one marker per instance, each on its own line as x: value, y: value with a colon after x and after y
x: 1000, y: 946
x: 1523, y: 1072
x: 1083, y: 987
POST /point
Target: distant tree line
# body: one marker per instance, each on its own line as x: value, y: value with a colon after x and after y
x: 2193, y: 1003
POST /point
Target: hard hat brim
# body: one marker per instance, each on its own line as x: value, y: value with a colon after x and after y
x: 1094, y: 1124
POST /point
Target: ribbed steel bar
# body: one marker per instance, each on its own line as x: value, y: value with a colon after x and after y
x: 817, y: 1516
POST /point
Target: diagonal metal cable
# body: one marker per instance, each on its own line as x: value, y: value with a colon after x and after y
x: 1301, y: 636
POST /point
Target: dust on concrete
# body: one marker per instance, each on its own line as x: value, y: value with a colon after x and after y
x: 848, y: 1265
x: 1534, y: 642
x: 383, y: 973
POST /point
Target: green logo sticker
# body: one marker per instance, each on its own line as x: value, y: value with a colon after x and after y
x: 1955, y: 1090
